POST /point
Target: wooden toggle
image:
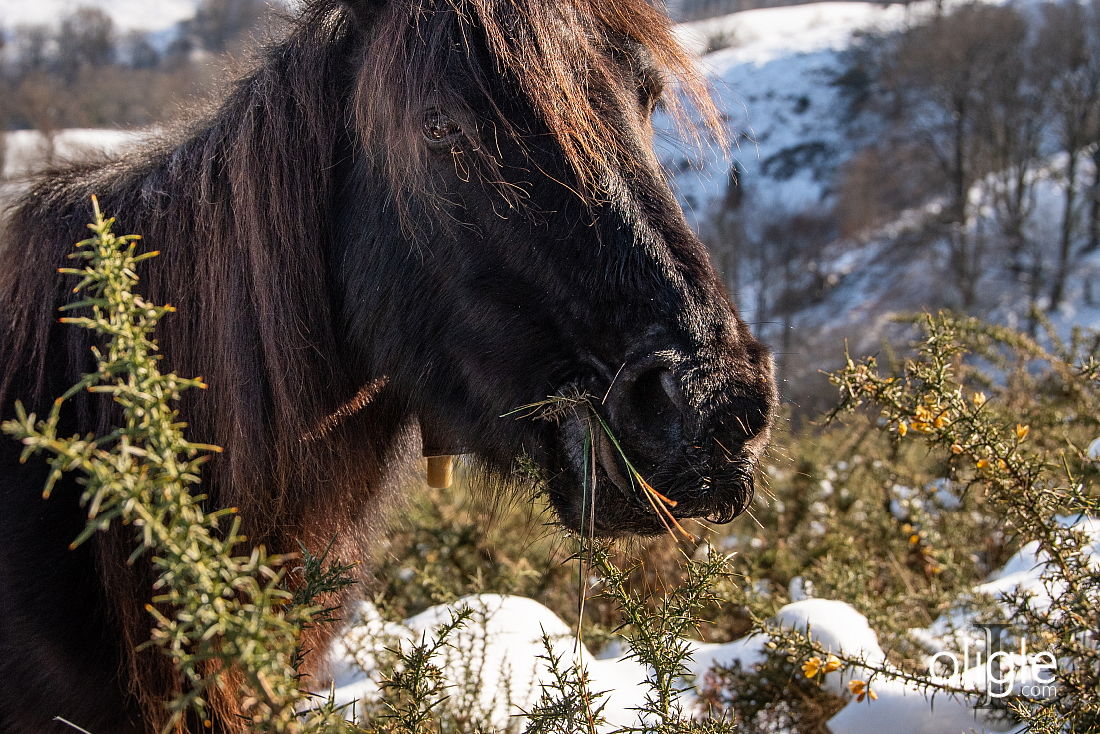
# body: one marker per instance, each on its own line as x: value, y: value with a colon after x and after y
x: 440, y: 448
x: 440, y: 471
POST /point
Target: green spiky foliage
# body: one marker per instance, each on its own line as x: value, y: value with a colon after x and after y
x: 219, y: 605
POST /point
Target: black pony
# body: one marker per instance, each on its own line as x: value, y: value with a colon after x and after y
x: 413, y: 217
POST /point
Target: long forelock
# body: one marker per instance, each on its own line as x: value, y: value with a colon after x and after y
x: 554, y: 51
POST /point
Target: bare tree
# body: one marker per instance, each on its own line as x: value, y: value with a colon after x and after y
x: 939, y: 75
x: 86, y: 39
x: 791, y: 243
x: 217, y: 23
x: 5, y: 93
x: 1068, y: 68
x: 727, y: 238
x: 30, y: 47
x: 140, y: 52
x: 1012, y: 123
x: 40, y: 99
x: 769, y: 256
x: 1092, y: 45
x: 870, y: 193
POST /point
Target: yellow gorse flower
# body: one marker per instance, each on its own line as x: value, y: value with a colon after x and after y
x: 1022, y: 431
x: 978, y: 399
x: 861, y: 690
x: 922, y: 419
x: 812, y: 667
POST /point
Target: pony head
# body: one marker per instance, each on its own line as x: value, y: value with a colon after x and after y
x: 530, y: 285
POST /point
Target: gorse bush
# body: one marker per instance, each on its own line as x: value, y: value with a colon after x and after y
x: 414, y: 689
x: 216, y: 609
x: 1025, y: 466
x: 927, y: 477
x: 656, y: 637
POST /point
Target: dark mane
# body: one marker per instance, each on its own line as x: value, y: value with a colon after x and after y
x: 555, y: 53
x: 239, y: 210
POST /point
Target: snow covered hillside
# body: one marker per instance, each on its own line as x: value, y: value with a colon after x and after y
x: 775, y: 85
x: 778, y: 76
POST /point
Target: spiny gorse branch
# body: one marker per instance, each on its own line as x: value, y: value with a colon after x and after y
x: 1027, y: 478
x: 215, y: 609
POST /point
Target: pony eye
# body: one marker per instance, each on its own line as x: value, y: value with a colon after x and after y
x: 440, y: 128
x: 650, y: 90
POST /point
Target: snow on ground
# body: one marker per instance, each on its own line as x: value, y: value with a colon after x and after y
x: 1023, y: 571
x: 504, y: 645
x: 26, y: 149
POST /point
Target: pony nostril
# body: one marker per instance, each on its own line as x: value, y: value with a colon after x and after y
x: 646, y: 406
x: 654, y: 399
x: 673, y: 390
x: 749, y: 418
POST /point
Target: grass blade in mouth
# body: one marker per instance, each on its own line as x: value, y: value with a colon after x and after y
x: 657, y: 501
x: 553, y: 405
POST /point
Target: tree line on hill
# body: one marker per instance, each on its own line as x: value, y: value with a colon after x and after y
x: 983, y: 100
x: 689, y: 10
x: 85, y: 71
